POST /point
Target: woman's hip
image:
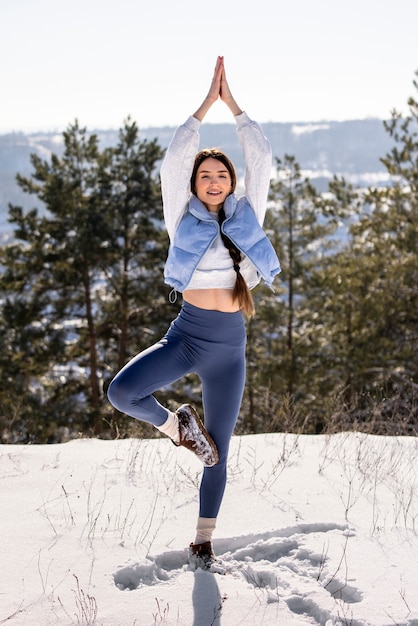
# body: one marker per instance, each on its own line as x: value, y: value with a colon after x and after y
x: 209, y: 326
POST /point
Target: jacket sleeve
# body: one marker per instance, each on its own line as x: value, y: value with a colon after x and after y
x: 257, y: 154
x: 176, y: 171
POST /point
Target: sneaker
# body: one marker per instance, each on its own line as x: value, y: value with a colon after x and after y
x: 195, y: 437
x: 201, y: 555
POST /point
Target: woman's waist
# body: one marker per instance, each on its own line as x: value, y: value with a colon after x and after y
x: 213, y: 299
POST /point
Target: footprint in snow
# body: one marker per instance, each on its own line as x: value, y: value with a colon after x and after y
x: 277, y: 562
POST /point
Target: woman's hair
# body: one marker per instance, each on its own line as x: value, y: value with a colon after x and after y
x: 241, y: 293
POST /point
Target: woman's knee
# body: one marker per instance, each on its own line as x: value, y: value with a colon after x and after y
x: 126, y: 388
x: 118, y: 395
x: 222, y: 441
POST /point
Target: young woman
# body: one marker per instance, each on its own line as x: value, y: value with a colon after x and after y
x: 218, y: 252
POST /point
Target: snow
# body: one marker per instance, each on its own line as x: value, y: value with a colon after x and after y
x: 303, y: 129
x: 313, y: 530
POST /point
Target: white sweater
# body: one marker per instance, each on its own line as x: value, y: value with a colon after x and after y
x: 215, y: 269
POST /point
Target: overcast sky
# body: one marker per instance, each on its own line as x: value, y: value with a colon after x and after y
x: 299, y: 60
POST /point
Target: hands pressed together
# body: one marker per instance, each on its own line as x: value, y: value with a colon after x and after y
x: 219, y: 88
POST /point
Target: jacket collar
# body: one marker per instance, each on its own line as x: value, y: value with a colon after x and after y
x: 198, y: 209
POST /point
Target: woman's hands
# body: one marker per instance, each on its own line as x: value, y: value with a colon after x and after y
x: 226, y: 95
x: 219, y: 88
x: 215, y: 86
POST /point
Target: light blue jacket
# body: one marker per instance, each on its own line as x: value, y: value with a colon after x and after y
x: 197, y: 231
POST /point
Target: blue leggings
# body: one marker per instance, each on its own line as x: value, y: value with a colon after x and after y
x: 210, y: 344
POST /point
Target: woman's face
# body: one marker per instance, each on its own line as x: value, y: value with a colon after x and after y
x: 213, y: 183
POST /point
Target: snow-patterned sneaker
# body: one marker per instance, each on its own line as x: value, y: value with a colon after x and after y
x: 195, y: 437
x: 201, y: 555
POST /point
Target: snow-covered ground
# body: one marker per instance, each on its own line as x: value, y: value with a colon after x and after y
x: 313, y: 530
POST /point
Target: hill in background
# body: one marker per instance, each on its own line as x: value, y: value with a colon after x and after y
x: 352, y: 149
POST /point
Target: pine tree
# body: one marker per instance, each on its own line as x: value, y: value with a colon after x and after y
x: 280, y: 336
x: 370, y: 296
x: 333, y: 296
x: 389, y: 234
x: 135, y: 291
x: 70, y: 265
x: 135, y: 310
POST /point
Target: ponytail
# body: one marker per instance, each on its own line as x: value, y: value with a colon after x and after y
x: 240, y: 293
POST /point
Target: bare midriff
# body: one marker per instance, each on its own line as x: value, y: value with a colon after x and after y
x: 212, y: 299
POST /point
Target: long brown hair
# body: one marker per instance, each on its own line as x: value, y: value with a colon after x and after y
x: 240, y: 293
